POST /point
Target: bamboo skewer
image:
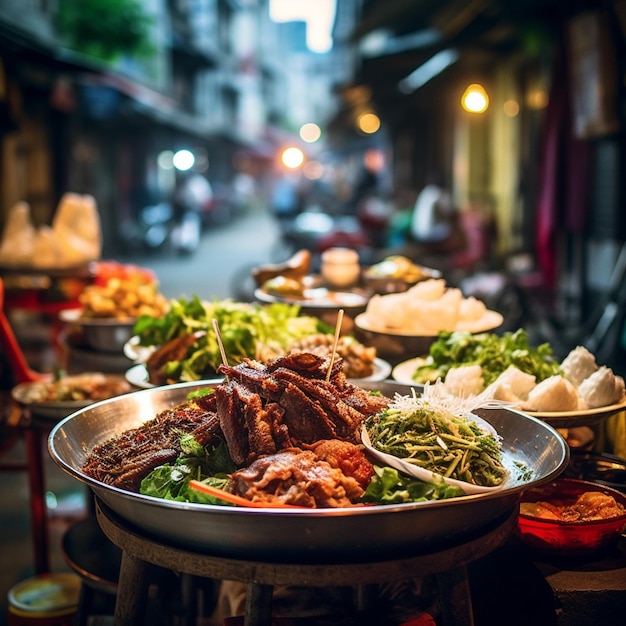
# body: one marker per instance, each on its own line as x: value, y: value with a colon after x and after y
x: 220, y: 343
x: 335, y: 342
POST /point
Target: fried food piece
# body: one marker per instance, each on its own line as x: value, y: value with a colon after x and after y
x: 297, y: 477
x: 358, y: 359
x: 174, y: 350
x: 295, y: 268
x: 588, y: 506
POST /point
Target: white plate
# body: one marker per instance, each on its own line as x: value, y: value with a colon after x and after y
x: 382, y: 369
x: 318, y: 297
x: 135, y: 352
x: 584, y: 417
x: 403, y: 372
x: 137, y: 375
x: 489, y: 321
x: 27, y: 395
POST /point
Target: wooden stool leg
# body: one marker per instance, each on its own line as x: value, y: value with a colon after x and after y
x: 366, y: 597
x: 132, y: 591
x: 455, y: 597
x: 258, y: 605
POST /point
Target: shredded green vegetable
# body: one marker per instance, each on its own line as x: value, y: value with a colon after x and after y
x: 441, y: 442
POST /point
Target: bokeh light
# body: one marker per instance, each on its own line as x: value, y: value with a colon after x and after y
x: 183, y: 160
x: 165, y: 160
x: 475, y: 99
x: 310, y: 132
x: 368, y: 123
x: 292, y: 157
x: 511, y: 108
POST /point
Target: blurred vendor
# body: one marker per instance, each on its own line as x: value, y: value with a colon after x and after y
x: 433, y: 213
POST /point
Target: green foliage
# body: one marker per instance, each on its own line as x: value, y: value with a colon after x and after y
x: 105, y: 29
x: 494, y: 353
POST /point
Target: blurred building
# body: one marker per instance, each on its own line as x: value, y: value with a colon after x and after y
x: 219, y: 78
x: 547, y: 155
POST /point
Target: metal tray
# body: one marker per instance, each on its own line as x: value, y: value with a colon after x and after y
x: 302, y: 535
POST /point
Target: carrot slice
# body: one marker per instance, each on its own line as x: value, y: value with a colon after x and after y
x: 196, y: 485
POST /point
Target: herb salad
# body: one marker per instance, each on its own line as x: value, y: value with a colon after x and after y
x: 428, y: 434
x: 247, y: 329
x: 494, y: 353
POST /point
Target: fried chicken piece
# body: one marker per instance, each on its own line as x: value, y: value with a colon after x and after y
x: 297, y: 477
x: 347, y: 457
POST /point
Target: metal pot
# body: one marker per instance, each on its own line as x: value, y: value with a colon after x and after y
x: 316, y: 535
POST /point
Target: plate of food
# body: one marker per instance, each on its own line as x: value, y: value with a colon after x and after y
x: 138, y: 375
x: 310, y: 293
x: 574, y: 392
x: 404, y: 372
x: 426, y: 309
x: 183, y: 345
x: 396, y: 273
x: 488, y: 320
x: 306, y: 522
x: 107, y: 334
x: 579, y: 417
x: 59, y: 398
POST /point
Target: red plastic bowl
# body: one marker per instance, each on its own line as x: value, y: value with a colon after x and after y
x: 570, y: 539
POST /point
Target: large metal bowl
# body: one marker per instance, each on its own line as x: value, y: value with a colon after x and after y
x: 303, y: 535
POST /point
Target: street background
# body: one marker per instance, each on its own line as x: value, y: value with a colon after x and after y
x: 220, y: 267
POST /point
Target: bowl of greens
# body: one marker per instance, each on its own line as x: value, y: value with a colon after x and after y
x: 182, y: 345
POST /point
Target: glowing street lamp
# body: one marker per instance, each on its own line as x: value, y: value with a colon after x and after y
x: 292, y: 157
x: 475, y: 99
x: 183, y: 160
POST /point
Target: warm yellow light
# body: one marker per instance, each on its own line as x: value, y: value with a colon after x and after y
x: 537, y: 99
x: 511, y: 108
x: 368, y: 123
x: 475, y: 99
x: 310, y: 132
x: 292, y: 157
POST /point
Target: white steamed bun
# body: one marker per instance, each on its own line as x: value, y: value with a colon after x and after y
x: 554, y: 394
x: 578, y: 365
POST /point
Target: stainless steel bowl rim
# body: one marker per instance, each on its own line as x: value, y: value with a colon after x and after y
x: 312, y: 534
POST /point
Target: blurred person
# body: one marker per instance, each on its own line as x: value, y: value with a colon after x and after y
x: 193, y: 198
x: 433, y: 215
x: 193, y: 193
x: 286, y: 201
x: 244, y: 190
x: 369, y: 180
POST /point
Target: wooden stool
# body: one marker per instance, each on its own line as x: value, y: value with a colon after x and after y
x: 140, y: 553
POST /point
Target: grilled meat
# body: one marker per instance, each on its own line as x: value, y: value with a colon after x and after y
x: 123, y: 461
x: 294, y: 476
x: 289, y: 403
x: 294, y: 434
x: 174, y: 350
